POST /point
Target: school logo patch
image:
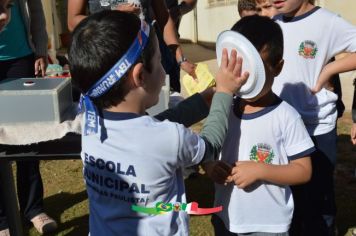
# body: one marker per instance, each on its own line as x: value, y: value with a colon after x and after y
x: 308, y: 49
x: 262, y: 153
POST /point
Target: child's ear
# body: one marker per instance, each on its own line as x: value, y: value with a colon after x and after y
x: 137, y: 75
x: 278, y: 68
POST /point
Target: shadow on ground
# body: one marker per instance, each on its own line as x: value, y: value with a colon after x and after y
x: 57, y: 205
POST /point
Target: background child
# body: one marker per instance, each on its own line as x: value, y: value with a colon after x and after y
x: 246, y: 7
x: 334, y: 85
x: 265, y: 8
x: 130, y: 158
x: 267, y: 145
x: 307, y: 52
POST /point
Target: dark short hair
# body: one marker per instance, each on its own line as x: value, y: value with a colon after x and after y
x: 246, y: 5
x: 98, y: 42
x: 262, y: 32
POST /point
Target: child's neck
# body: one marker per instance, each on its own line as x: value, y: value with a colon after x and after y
x: 247, y: 107
x: 304, y: 8
x: 131, y: 104
x: 127, y: 108
x: 134, y: 102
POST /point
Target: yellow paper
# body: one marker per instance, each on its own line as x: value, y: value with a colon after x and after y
x: 204, y: 80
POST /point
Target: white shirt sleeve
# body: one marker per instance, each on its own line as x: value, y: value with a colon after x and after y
x: 343, y: 36
x: 297, y: 142
x: 191, y: 148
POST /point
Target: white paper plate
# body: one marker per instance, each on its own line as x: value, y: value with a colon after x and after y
x: 252, y: 61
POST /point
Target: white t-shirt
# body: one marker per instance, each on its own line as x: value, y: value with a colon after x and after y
x: 310, y: 41
x: 274, y: 135
x: 138, y: 162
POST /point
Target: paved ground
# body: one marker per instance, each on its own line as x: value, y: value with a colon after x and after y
x: 197, y: 53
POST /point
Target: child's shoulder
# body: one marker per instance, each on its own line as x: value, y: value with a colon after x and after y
x: 165, y: 125
x: 136, y: 122
x: 152, y: 121
x: 327, y: 13
x: 287, y: 111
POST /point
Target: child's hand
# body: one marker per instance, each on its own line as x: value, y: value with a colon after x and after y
x: 229, y: 78
x: 245, y: 173
x: 40, y: 66
x: 218, y: 171
x: 353, y: 134
x: 189, y: 67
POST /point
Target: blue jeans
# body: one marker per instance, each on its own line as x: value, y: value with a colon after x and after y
x: 315, y: 206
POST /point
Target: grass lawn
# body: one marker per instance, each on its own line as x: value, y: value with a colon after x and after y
x: 66, y: 200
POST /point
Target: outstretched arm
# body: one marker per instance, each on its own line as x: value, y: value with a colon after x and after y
x: 229, y: 80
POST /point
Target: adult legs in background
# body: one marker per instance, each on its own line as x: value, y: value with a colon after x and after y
x: 29, y: 181
x: 29, y: 188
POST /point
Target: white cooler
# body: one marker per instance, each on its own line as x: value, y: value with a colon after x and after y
x: 34, y: 100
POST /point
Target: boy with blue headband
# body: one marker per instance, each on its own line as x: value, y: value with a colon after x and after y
x: 131, y: 159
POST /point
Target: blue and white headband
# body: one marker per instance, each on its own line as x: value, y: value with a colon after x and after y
x: 110, y: 78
